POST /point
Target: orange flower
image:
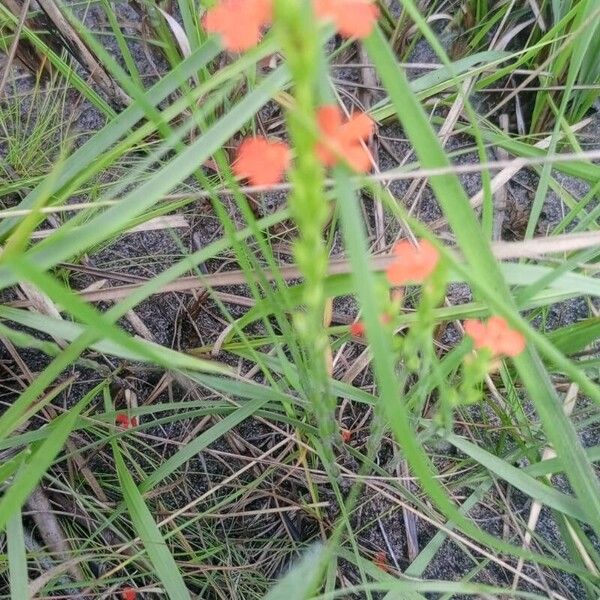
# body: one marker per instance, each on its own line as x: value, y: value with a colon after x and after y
x: 346, y: 435
x: 357, y: 329
x: 238, y: 22
x: 496, y: 336
x: 262, y: 161
x: 129, y: 594
x: 412, y: 263
x: 343, y: 140
x: 124, y: 421
x: 352, y: 18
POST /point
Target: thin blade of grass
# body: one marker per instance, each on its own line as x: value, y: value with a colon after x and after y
x: 116, y: 128
x: 201, y: 442
x: 17, y: 557
x: 156, y: 547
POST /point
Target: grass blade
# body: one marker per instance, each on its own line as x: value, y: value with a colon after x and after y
x: 158, y: 552
x: 17, y: 559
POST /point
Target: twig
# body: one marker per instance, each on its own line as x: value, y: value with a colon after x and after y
x: 85, y: 57
x: 15, y: 43
x: 501, y: 193
x: 536, y: 247
x: 51, y: 531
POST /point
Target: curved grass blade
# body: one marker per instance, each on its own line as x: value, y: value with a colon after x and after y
x: 115, y: 129
x: 300, y: 582
x: 156, y: 547
x: 17, y: 558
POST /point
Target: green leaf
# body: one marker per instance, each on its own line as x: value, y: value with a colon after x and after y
x: 65, y: 244
x: 156, y: 547
x: 519, y: 478
x: 117, y: 127
x: 121, y: 345
x: 484, y: 274
x: 575, y: 338
x: 301, y: 580
x: 17, y: 558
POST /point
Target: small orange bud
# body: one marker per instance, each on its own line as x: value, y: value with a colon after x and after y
x: 380, y: 560
x: 124, y: 421
x: 129, y: 594
x: 357, y: 329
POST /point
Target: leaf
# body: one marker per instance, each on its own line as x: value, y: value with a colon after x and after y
x: 65, y: 244
x: 134, y: 349
x: 17, y: 559
x: 300, y: 581
x: 156, y: 547
x: 486, y: 279
x: 179, y: 33
x: 520, y: 479
x: 202, y: 441
x: 102, y: 140
x: 575, y: 338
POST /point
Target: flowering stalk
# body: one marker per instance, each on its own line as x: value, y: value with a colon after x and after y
x: 300, y: 42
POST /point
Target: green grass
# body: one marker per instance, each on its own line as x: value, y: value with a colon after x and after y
x: 236, y: 481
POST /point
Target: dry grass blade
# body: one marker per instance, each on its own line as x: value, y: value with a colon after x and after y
x: 537, y: 247
x: 15, y: 44
x: 68, y: 566
x: 536, y: 507
x: 155, y: 224
x: 82, y: 52
x: 179, y: 33
x: 51, y: 531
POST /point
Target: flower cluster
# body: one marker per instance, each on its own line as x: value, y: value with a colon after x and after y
x: 410, y: 264
x: 416, y: 264
x: 263, y: 162
x: 495, y: 336
x: 240, y: 22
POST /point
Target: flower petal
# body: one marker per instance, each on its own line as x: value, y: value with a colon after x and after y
x: 342, y: 141
x: 238, y: 22
x: 329, y: 119
x: 262, y: 161
x: 412, y: 263
x: 477, y: 331
x: 358, y: 157
x: 495, y: 335
x: 359, y: 126
x: 512, y: 343
x: 351, y: 18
